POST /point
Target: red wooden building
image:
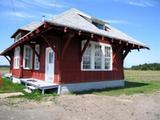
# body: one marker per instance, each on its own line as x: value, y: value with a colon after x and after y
x: 72, y: 49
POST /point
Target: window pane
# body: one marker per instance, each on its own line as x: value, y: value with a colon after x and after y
x: 36, y: 61
x: 98, y: 57
x: 28, y: 57
x: 107, y: 63
x: 87, y: 58
x: 98, y: 25
x: 107, y: 52
x: 16, y: 57
x: 50, y: 57
x: 107, y: 58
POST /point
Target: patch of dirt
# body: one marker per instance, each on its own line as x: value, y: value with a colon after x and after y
x: 84, y: 107
x: 5, y: 95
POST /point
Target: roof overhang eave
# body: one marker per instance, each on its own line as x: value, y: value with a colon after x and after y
x: 91, y: 32
x: 60, y: 25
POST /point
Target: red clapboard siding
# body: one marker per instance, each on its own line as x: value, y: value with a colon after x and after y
x: 68, y: 68
x: 71, y: 67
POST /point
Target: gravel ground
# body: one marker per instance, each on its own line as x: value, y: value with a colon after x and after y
x: 84, y: 107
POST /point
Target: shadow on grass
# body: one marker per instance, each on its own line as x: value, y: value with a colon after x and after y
x: 128, y: 84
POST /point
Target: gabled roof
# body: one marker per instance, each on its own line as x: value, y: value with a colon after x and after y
x: 29, y: 27
x: 79, y: 20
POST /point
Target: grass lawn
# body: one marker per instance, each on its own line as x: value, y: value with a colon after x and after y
x: 9, y: 87
x: 135, y: 82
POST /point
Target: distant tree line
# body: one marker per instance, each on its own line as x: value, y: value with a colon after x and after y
x: 150, y: 66
x: 4, y: 66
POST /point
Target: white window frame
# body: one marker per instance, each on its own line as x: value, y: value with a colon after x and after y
x: 24, y: 57
x: 17, y: 58
x: 103, y: 45
x: 36, y: 61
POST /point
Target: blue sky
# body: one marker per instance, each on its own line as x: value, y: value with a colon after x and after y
x: 137, y: 18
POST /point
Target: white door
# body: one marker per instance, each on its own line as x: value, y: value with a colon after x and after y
x: 49, y: 72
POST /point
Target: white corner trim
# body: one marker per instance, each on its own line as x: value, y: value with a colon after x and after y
x: 75, y: 87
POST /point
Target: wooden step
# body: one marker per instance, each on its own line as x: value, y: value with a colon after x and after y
x: 31, y: 87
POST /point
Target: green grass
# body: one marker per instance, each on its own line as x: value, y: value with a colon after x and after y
x: 9, y: 87
x: 135, y: 82
x: 37, y: 96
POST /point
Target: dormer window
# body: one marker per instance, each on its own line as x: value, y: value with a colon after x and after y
x: 17, y: 37
x: 98, y: 25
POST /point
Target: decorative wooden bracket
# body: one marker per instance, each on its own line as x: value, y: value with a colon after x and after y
x: 48, y: 42
x: 35, y: 52
x: 125, y: 53
x: 85, y: 47
x: 9, y: 60
x: 68, y: 40
x: 118, y: 51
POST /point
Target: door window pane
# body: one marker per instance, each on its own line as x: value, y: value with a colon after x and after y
x: 50, y: 57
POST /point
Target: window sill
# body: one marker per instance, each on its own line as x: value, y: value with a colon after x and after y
x: 16, y: 68
x: 36, y: 69
x: 27, y: 68
x: 96, y: 70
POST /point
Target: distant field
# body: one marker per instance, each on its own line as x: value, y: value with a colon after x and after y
x: 4, y: 69
x: 136, y: 81
x: 138, y: 75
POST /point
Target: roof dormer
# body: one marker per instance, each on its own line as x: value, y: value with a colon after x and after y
x: 17, y: 37
x: 24, y: 30
x: 18, y: 34
x: 99, y: 23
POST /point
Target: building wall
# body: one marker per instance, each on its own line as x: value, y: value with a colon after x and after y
x: 71, y: 66
x: 38, y: 74
x: 68, y: 68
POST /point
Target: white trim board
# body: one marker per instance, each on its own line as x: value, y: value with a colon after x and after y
x: 76, y: 87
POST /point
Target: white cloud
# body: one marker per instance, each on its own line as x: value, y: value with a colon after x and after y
x: 20, y: 14
x: 44, y: 4
x: 117, y: 21
x: 49, y: 3
x: 141, y: 3
x: 138, y: 3
x: 32, y: 9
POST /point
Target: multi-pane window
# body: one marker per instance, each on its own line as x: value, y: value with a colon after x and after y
x: 87, y: 58
x: 27, y: 64
x: 17, y: 57
x: 36, y: 59
x: 97, y: 56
